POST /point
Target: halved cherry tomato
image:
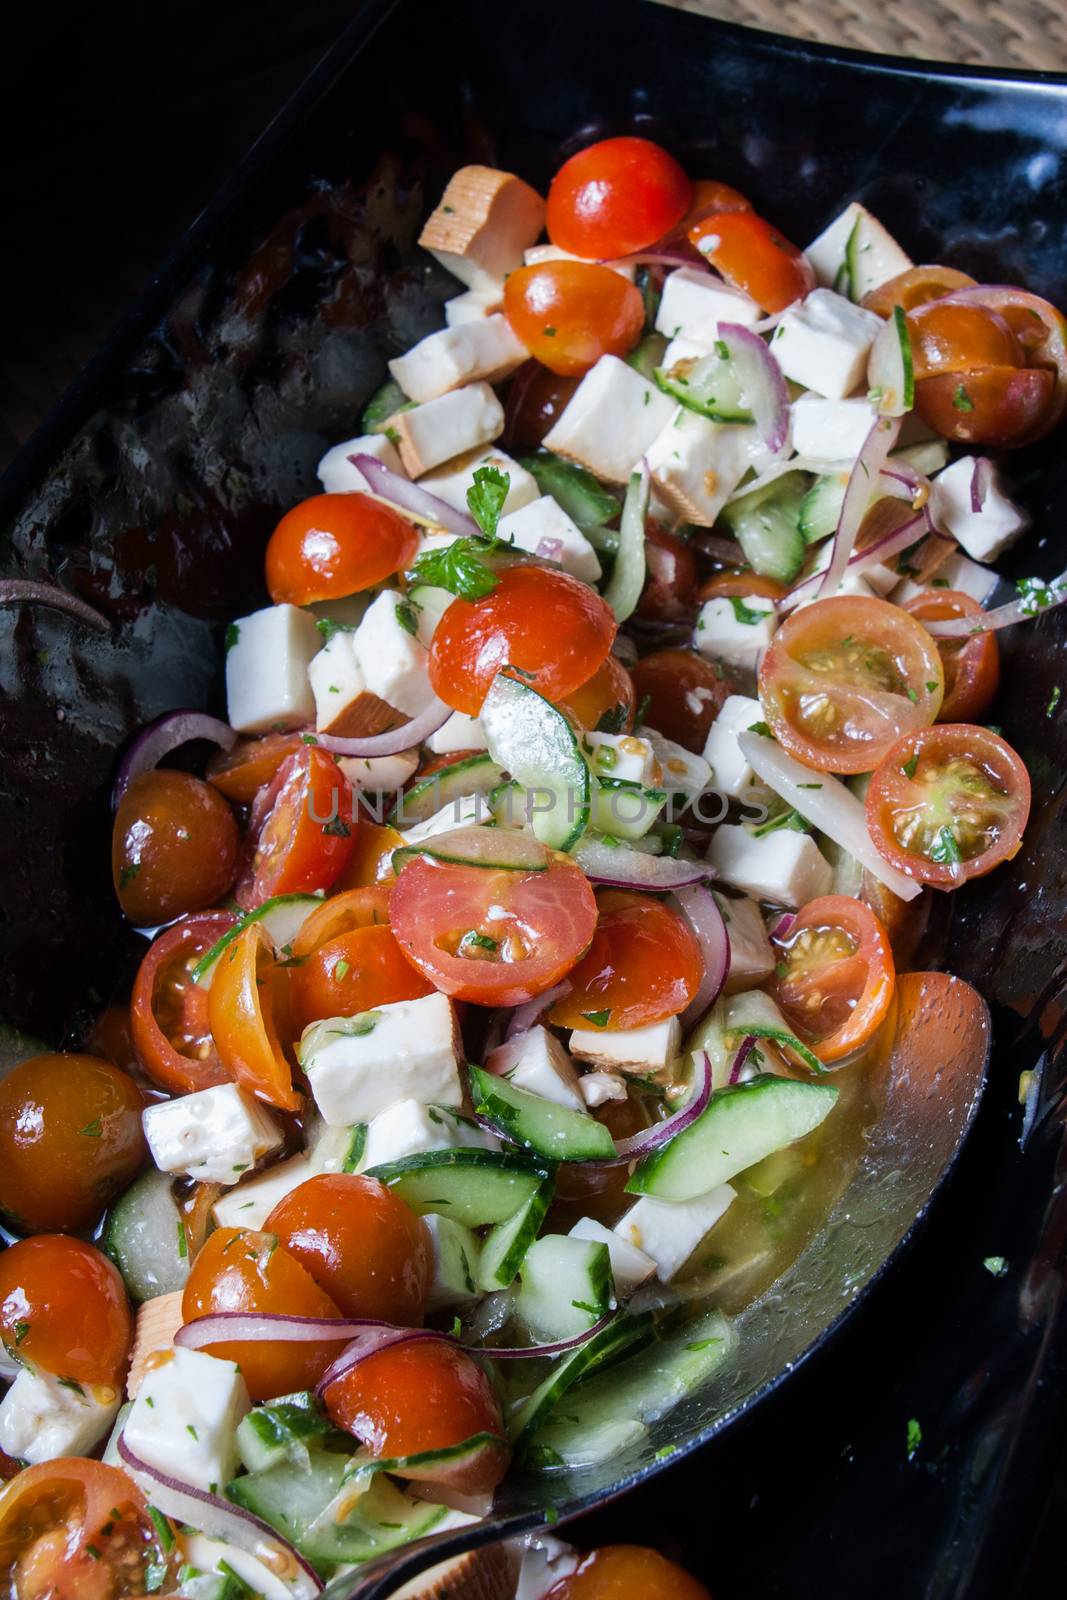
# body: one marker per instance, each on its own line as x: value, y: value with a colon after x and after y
x: 844, y: 678
x: 242, y: 1270
x: 536, y: 397
x: 301, y: 832
x: 174, y: 847
x: 709, y: 198
x: 835, y: 975
x: 554, y: 630
x: 366, y: 907
x: 595, y: 1189
x: 755, y: 257
x: 972, y: 666
x: 111, y: 1038
x: 169, y: 1012
x: 988, y: 405
x: 360, y: 1243
x: 372, y: 859
x: 741, y: 583
x: 72, y: 1529
x: 616, y: 197
x: 949, y: 803
x: 348, y: 961
x: 240, y: 773
x: 570, y: 313
x: 670, y: 590
x: 915, y: 287
x: 953, y: 336
x: 535, y: 926
x: 1041, y: 330
x: 335, y: 545
x: 643, y: 965
x: 608, y: 697
x: 70, y: 1141
x: 681, y: 693
x: 63, y: 1307
x: 421, y: 1396
x: 249, y: 1013
x: 624, y: 1572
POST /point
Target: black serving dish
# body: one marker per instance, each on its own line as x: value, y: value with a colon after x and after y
x: 152, y: 490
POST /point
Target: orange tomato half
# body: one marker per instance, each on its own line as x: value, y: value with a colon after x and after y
x: 835, y: 976
x: 643, y: 965
x: 248, y: 1009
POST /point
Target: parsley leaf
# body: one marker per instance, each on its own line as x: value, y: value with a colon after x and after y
x: 329, y: 628
x: 746, y: 614
x: 599, y: 1019
x: 997, y: 1265
x: 92, y: 1130
x: 233, y: 633
x: 612, y: 721
x: 945, y: 848
x: 915, y: 1436
x: 458, y: 568
x: 909, y: 768
x: 486, y: 496
x: 961, y: 399
x: 406, y: 615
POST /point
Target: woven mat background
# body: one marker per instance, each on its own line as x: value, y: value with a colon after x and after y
x: 988, y: 33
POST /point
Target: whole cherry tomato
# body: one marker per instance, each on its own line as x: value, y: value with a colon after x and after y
x: 169, y: 1009
x: 241, y: 773
x: 915, y: 287
x: 670, y: 591
x: 643, y: 965
x: 301, y: 832
x: 335, y: 545
x: 681, y: 693
x: 953, y: 336
x: 988, y: 405
x: 63, y: 1307
x: 616, y: 197
x: 624, y: 1572
x: 570, y: 313
x: 536, y: 397
x: 606, y: 700
x: 348, y: 959
x: 174, y: 847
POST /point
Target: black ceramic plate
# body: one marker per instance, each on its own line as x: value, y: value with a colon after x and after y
x: 154, y: 487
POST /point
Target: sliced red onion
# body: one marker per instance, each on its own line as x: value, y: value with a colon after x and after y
x: 658, y: 258
x: 30, y: 592
x: 639, y: 1144
x: 700, y: 909
x: 167, y: 733
x: 220, y: 1327
x: 1036, y: 599
x: 762, y: 384
x: 890, y: 544
x: 902, y: 476
x: 394, y: 740
x: 529, y: 1351
x: 417, y: 503
x: 527, y: 1015
x: 369, y: 1342
x: 632, y: 869
x: 981, y: 482
x: 221, y: 1519
x: 781, y: 928
x: 869, y: 463
x: 549, y: 549
x: 737, y: 1065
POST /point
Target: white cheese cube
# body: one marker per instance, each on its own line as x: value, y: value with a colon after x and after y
x: 730, y: 771
x: 337, y: 681
x: 599, y: 1087
x: 642, y: 1052
x: 784, y: 867
x: 251, y: 1203
x: 214, y: 1135
x: 679, y: 350
x: 360, y: 1066
x: 393, y: 661
x: 460, y: 732
x: 957, y: 571
x: 43, y: 1418
x: 545, y: 518
x: 721, y: 635
x: 683, y: 772
x: 833, y: 431
x: 752, y: 957
x: 694, y: 302
x: 267, y: 669
x: 442, y: 429
x: 337, y: 473
x: 185, y: 1416
x: 984, y: 534
x: 875, y: 255
x: 697, y: 464
x: 540, y: 253
x: 823, y: 343
x: 410, y: 1129
x: 669, y: 1231
x: 474, y: 305
x: 484, y: 221
x: 456, y: 1252
x: 623, y: 756
x: 630, y: 1266
x: 463, y: 812
x: 610, y: 420
x: 451, y: 482
x: 485, y: 350
x: 851, y: 583
x: 537, y: 1062
x: 379, y: 774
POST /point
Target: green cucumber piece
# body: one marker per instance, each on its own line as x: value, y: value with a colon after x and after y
x: 457, y: 1255
x: 623, y: 809
x: 574, y: 489
x: 474, y: 1187
x: 145, y: 1237
x: 505, y: 1246
x: 479, y: 846
x: 708, y: 385
x: 556, y: 1132
x: 927, y: 457
x: 766, y: 524
x: 536, y: 744
x: 287, y: 1429
x: 623, y: 1333
x: 648, y: 355
x: 383, y: 404
x: 742, y: 1124
x: 753, y: 1012
x: 472, y: 775
x: 336, y: 1149
x: 282, y: 916
x: 848, y: 274
x: 820, y: 509
x: 567, y: 1286
x: 890, y: 372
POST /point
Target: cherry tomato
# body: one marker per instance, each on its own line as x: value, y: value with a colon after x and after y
x: 70, y: 1141
x: 539, y: 923
x: 242, y: 1270
x: 835, y: 975
x: 844, y: 678
x: 360, y: 1243
x: 594, y: 1189
x: 949, y: 803
x: 988, y: 405
x: 240, y: 773
x: 536, y: 398
x: 624, y: 1572
x: 915, y: 287
x: 947, y: 336
x: 424, y: 1395
x: 174, y: 847
x: 682, y: 694
x: 570, y: 313
x: 169, y: 1012
x: 643, y: 965
x: 111, y: 1037
x: 608, y: 696
x: 709, y: 198
x: 335, y: 545
x: 553, y: 629
x: 616, y: 197
x: 1042, y: 333
x: 755, y: 257
x: 63, y: 1307
x: 348, y: 959
x: 72, y: 1529
x: 741, y: 583
x: 372, y: 859
x: 670, y: 590
x: 248, y: 1011
x: 971, y: 666
x: 301, y: 832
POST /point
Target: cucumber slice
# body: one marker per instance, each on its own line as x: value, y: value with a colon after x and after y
x: 648, y: 355
x: 766, y: 524
x: 383, y: 404
x: 623, y: 809
x: 573, y: 488
x: 556, y: 1132
x: 282, y: 917
x: 457, y: 1255
x: 566, y: 1286
x: 286, y: 1430
x: 479, y: 847
x: 506, y: 1245
x: 145, y: 1237
x: 928, y: 457
x: 820, y: 509
x: 623, y: 1333
x: 708, y: 385
x: 534, y: 741
x: 473, y: 1187
x: 753, y: 1012
x: 473, y: 775
x: 336, y: 1149
x: 742, y: 1124
x: 890, y: 373
x: 16, y: 1047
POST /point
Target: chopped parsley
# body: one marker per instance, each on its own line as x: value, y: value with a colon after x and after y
x: 164, y: 1531
x: 931, y: 686
x: 233, y: 633
x: 911, y: 766
x: 365, y: 1023
x: 745, y: 614
x: 599, y: 1019
x: 21, y: 1330
x: 761, y: 728
x: 612, y: 720
x: 997, y: 1265
x: 472, y: 940
x: 406, y: 616
x: 1054, y: 700
x: 913, y: 695
x: 961, y: 399
x: 945, y: 848
x: 788, y: 819
x: 342, y: 967
x: 486, y: 496
x: 127, y: 875
x: 337, y: 827
x: 92, y: 1130
x: 915, y: 1436
x: 329, y: 628
x: 549, y: 333
x: 183, y: 1241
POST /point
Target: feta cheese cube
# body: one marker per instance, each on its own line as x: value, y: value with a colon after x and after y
x: 185, y: 1416
x: 874, y: 257
x: 484, y: 221
x: 474, y: 305
x: 752, y: 957
x: 540, y: 253
x: 441, y: 429
x: 670, y: 1230
x: 251, y: 1203
x: 393, y: 661
x: 984, y: 534
x: 343, y: 705
x: 537, y: 1062
x: 721, y: 635
x: 697, y: 464
x: 451, y: 482
x: 336, y: 472
x: 784, y: 867
x: 683, y: 772
x: 460, y: 732
x: 410, y: 1129
x: 214, y: 1135
x: 456, y: 1253
x: 630, y: 1266
x: 43, y: 1418
x: 599, y: 1087
x: 693, y: 304
x: 485, y: 350
x: 379, y: 774
x: 624, y: 756
x: 267, y: 669
x: 823, y: 343
x: 464, y: 812
x: 610, y: 420
x: 642, y: 1052
x: 957, y: 571
x: 360, y: 1066
x: 851, y: 583
x: 730, y: 771
x: 545, y: 518
x: 833, y: 431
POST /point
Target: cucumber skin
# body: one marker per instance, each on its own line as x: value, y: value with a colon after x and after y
x: 406, y: 1174
x: 621, y: 1334
x: 436, y: 791
x: 168, y: 1272
x: 505, y: 1246
x: 577, y: 1136
x: 560, y: 1297
x: 766, y: 524
x: 562, y: 825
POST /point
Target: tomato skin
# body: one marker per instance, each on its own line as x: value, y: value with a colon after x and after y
x: 241, y: 773
x: 972, y: 666
x: 174, y: 847
x: 335, y: 545
x: 372, y: 859
x: 360, y: 1243
x: 63, y: 1307
x: 608, y: 693
x: 349, y: 960
x: 988, y: 405
x: 755, y: 257
x: 670, y: 590
x: 685, y: 694
x: 616, y: 197
x: 248, y: 1011
x: 54, y: 1174
x: 835, y: 977
x: 916, y: 286
x: 740, y: 584
x: 709, y: 198
x: 302, y: 829
x: 553, y: 629
x: 947, y: 336
x: 643, y: 965
x: 168, y: 1009
x: 1042, y: 333
x: 624, y: 1572
x: 536, y: 398
x: 570, y: 313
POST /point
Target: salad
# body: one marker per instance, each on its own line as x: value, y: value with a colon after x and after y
x: 513, y: 966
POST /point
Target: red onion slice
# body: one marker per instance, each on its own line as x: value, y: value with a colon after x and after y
x: 762, y: 383
x: 251, y: 1327
x: 157, y: 739
x: 549, y: 549
x: 639, y: 1144
x: 700, y: 909
x: 869, y: 463
x: 527, y: 1015
x: 632, y: 869
x: 660, y: 258
x: 529, y: 1351
x: 394, y: 740
x: 782, y: 926
x: 1037, y: 598
x: 737, y: 1065
x: 29, y: 592
x: 370, y: 1341
x: 419, y: 504
x: 981, y: 482
x: 890, y: 544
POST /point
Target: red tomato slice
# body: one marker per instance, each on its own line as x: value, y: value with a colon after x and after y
x: 949, y: 803
x: 248, y: 1008
x: 972, y: 666
x: 835, y: 976
x: 755, y: 257
x: 536, y: 924
x: 643, y: 965
x: 570, y: 313
x: 169, y: 1012
x: 241, y: 773
x: 988, y: 405
x: 335, y: 545
x: 844, y: 678
x: 348, y: 960
x: 616, y: 197
x: 301, y: 832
